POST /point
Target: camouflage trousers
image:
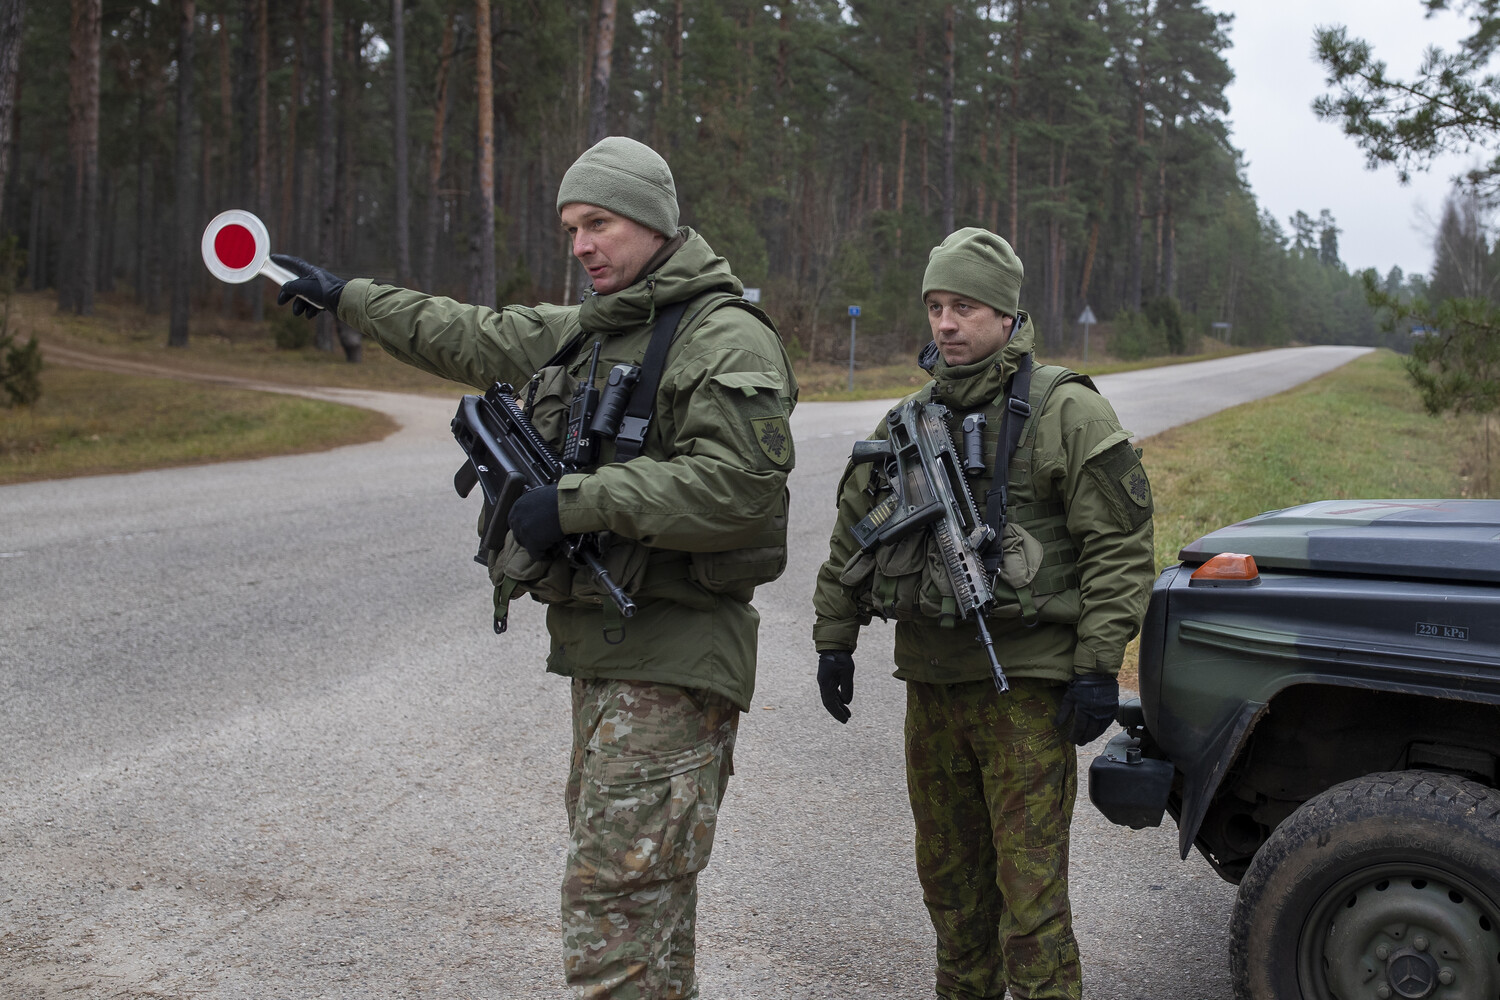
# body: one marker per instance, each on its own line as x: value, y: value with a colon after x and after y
x: 979, y: 762
x: 650, y: 763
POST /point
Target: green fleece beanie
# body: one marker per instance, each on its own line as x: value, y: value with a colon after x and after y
x: 978, y: 264
x: 627, y: 177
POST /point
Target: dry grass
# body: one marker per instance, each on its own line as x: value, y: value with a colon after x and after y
x: 88, y: 423
x: 217, y: 346
x: 824, y: 381
x: 1357, y: 432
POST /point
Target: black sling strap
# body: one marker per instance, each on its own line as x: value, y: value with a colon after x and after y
x: 631, y: 438
x: 1012, y: 420
x: 566, y: 350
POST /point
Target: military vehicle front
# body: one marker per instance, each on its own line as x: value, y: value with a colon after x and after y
x: 1320, y: 713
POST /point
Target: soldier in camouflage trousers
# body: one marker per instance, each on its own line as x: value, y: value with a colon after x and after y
x: 992, y: 776
x: 646, y: 758
x: 688, y: 527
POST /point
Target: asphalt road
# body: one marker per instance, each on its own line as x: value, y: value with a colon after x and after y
x: 258, y: 740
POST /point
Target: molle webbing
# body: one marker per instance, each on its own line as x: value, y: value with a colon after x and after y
x: 1046, y: 520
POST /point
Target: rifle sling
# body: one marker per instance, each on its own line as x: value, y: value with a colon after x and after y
x: 631, y: 438
x: 1014, y: 414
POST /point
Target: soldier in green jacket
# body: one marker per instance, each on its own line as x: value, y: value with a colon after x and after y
x: 688, y: 529
x: 991, y: 776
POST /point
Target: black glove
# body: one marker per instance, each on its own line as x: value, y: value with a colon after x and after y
x: 534, y: 520
x: 1092, y: 700
x: 836, y: 681
x: 311, y: 293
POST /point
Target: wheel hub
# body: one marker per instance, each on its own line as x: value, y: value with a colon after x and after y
x: 1411, y: 973
x: 1403, y: 932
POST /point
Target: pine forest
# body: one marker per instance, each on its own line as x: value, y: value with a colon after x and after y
x: 822, y: 146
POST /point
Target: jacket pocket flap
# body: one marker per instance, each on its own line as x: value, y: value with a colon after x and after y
x: 749, y: 382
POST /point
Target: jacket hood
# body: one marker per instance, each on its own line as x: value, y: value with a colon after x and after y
x: 981, y: 382
x: 694, y: 269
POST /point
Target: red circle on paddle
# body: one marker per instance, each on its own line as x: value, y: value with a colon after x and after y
x: 234, y: 245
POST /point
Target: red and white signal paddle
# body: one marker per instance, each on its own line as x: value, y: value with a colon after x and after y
x: 237, y: 248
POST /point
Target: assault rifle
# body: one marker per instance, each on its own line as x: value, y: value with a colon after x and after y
x: 507, y: 457
x: 928, y: 488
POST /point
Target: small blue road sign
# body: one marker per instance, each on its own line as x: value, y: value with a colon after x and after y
x: 854, y: 310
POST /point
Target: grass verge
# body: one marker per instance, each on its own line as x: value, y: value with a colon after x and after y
x: 87, y: 423
x: 1359, y: 431
x: 220, y: 346
x: 827, y: 382
x: 119, y: 328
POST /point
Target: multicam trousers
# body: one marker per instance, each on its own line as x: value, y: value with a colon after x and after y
x: 650, y: 763
x: 980, y: 762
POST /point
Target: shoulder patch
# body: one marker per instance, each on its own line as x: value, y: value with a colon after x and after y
x: 1122, y: 480
x: 774, y: 437
x: 1137, y: 486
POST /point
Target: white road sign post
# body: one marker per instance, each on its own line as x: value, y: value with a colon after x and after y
x: 1088, y: 320
x: 1223, y: 330
x: 853, y: 317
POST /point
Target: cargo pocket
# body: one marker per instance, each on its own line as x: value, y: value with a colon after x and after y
x: 550, y: 402
x: 897, y: 581
x: 516, y: 571
x: 625, y: 561
x: 737, y: 572
x: 651, y: 818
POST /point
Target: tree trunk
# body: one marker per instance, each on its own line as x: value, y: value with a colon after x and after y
x: 923, y: 185
x: 291, y: 186
x: 185, y: 238
x: 1171, y: 253
x: 950, y: 64
x: 262, y: 141
x: 402, y: 182
x: 109, y: 200
x: 76, y: 287
x: 900, y: 184
x: 1138, y: 206
x: 1088, y: 263
x: 483, y: 292
x: 327, y: 159
x: 36, y: 245
x: 350, y: 87
x: 143, y: 212
x: 1161, y: 212
x: 1015, y: 141
x: 435, y: 159
x: 11, y: 12
x: 225, y: 189
x: 604, y: 52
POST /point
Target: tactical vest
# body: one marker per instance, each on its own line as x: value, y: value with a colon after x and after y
x: 691, y: 578
x: 1038, y: 577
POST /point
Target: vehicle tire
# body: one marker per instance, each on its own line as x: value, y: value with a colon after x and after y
x: 1387, y: 886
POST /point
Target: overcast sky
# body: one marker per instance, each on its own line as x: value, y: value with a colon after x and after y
x: 1294, y: 161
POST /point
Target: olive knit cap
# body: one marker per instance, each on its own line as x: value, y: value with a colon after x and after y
x: 626, y: 177
x: 978, y: 264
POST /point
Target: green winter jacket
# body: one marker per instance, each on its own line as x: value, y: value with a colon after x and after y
x: 710, y: 479
x: 1076, y: 464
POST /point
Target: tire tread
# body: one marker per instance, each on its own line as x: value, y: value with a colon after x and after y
x: 1428, y: 795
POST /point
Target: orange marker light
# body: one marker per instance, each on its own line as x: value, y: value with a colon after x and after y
x: 1228, y: 566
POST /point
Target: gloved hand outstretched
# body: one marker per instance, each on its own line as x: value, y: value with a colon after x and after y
x: 1091, y: 700
x: 311, y: 293
x: 535, y: 522
x: 836, y: 682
